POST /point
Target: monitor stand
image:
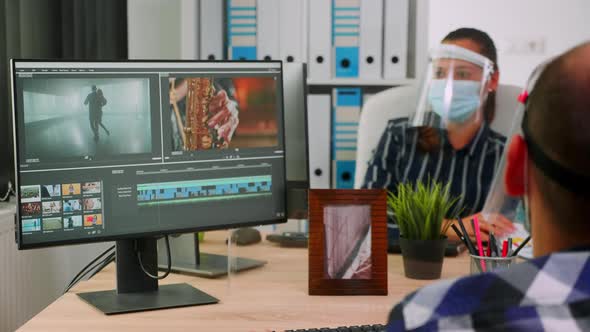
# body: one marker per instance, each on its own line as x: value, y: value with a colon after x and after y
x: 138, y: 292
x: 187, y: 258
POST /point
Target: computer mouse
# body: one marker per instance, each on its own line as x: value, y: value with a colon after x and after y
x: 246, y: 236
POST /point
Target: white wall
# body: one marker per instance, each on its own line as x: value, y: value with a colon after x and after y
x: 553, y: 25
x: 162, y: 29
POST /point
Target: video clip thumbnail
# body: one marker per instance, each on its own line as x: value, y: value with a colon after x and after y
x: 72, y: 222
x: 51, y: 207
x: 71, y: 189
x: 91, y: 187
x: 50, y: 224
x: 30, y: 209
x: 30, y: 194
x: 92, y: 204
x: 92, y: 220
x: 50, y: 190
x: 31, y: 225
x: 72, y: 205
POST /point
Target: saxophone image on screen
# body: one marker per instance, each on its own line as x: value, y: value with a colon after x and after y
x: 199, y: 94
x: 195, y: 133
x: 218, y: 113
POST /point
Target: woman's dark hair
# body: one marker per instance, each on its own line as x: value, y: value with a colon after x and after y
x: 428, y: 138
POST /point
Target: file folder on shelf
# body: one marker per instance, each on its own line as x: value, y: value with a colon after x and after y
x: 371, y: 39
x: 395, y: 41
x: 267, y: 33
x: 318, y: 128
x: 346, y: 112
x: 292, y: 30
x: 320, y: 40
x: 241, y: 29
x: 211, y: 30
x: 345, y: 37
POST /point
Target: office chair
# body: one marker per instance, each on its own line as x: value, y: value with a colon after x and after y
x: 400, y: 102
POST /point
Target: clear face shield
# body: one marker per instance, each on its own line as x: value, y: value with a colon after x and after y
x: 500, y: 206
x: 455, y: 89
x: 499, y: 203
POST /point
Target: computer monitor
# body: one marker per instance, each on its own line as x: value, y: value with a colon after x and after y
x: 128, y: 151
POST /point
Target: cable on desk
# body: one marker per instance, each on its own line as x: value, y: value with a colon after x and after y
x: 105, y: 262
x: 88, y: 268
x: 169, y: 262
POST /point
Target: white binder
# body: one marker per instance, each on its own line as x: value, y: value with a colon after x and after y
x: 211, y: 30
x: 292, y: 30
x: 267, y: 13
x: 346, y: 104
x: 320, y: 40
x: 346, y: 37
x: 241, y: 29
x: 395, y: 42
x: 371, y: 34
x: 318, y: 129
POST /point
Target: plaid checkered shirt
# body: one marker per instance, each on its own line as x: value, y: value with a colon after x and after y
x: 550, y: 293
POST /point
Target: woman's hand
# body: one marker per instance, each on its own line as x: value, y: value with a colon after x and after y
x: 500, y: 227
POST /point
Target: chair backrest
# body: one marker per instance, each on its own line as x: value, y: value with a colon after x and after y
x: 400, y: 102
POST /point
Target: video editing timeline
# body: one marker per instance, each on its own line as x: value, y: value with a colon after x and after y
x: 154, y: 136
x: 203, y: 190
x: 65, y: 207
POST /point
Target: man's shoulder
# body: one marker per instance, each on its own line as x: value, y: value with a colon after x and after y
x: 532, y: 283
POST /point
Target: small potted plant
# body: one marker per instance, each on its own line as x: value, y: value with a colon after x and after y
x: 420, y: 211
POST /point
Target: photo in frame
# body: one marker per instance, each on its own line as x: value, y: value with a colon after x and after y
x: 347, y: 242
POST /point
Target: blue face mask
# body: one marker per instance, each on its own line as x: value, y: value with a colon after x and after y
x: 464, y: 102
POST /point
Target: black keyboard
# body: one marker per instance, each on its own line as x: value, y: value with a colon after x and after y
x: 362, y: 328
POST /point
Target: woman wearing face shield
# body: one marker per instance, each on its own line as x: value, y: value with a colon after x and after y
x: 448, y: 139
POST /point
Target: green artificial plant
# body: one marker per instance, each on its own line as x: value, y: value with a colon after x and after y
x: 420, y: 210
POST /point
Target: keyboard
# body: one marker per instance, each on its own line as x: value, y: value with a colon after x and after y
x: 361, y: 328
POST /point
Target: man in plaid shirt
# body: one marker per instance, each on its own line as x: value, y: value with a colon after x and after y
x: 549, y: 165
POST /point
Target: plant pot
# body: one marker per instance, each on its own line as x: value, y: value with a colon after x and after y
x: 423, y: 259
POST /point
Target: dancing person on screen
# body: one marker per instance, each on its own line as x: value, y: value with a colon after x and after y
x: 101, y: 101
x: 93, y: 102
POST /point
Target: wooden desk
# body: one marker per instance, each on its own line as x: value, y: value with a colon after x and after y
x: 270, y: 298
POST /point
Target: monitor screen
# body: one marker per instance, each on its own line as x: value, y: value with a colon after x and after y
x: 113, y: 150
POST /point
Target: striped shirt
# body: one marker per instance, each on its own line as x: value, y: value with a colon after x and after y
x: 469, y: 171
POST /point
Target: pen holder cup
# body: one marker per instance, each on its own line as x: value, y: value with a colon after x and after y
x: 479, y: 264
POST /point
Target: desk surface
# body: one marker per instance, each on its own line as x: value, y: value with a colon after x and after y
x: 273, y: 297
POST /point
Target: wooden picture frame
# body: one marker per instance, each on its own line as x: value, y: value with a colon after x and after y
x: 339, y: 267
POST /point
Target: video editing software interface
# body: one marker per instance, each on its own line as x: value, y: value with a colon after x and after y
x: 111, y: 149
